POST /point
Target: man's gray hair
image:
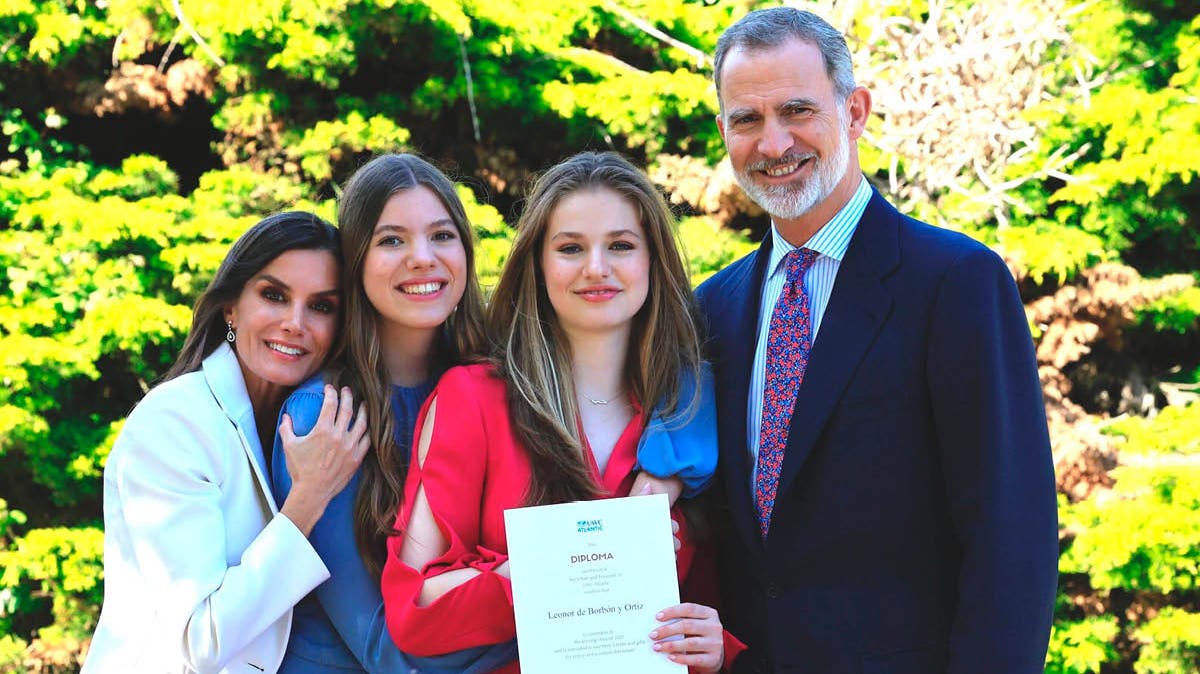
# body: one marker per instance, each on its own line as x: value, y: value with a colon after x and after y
x: 769, y: 28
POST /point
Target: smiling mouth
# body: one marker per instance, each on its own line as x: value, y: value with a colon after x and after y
x: 782, y: 170
x: 286, y: 350
x: 422, y: 288
x: 597, y: 293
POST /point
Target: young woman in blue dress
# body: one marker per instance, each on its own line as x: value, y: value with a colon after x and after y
x: 413, y: 307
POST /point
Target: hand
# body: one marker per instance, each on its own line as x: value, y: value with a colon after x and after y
x: 322, y: 462
x: 694, y: 637
x: 675, y: 536
x: 645, y: 483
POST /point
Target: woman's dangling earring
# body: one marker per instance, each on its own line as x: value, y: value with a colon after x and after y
x: 230, y: 335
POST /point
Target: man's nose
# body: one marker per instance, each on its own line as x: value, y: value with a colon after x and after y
x: 776, y: 140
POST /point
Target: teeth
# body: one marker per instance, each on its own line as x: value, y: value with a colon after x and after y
x: 421, y: 288
x: 284, y: 349
x: 782, y: 170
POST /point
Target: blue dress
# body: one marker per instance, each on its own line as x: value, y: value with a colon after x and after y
x: 340, y: 626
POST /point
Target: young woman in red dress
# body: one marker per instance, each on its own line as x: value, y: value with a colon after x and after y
x: 592, y: 315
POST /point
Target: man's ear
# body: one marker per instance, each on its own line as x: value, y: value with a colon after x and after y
x: 720, y: 125
x: 858, y: 105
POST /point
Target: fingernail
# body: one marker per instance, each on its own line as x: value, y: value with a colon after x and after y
x: 654, y: 635
x: 657, y: 647
x: 659, y: 615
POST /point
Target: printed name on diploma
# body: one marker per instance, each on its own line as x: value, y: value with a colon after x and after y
x: 595, y: 610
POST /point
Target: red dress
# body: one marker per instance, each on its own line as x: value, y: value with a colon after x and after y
x: 474, y: 470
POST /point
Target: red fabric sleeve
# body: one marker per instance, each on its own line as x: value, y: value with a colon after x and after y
x: 478, y: 612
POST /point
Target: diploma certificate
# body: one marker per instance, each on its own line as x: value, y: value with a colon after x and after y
x: 587, y: 579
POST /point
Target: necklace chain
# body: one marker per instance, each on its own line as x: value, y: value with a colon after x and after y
x: 600, y: 401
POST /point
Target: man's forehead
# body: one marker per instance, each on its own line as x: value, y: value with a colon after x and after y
x: 792, y: 69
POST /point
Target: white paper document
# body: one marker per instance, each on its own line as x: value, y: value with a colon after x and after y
x: 587, y: 579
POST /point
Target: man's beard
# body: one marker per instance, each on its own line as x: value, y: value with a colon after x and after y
x: 792, y: 200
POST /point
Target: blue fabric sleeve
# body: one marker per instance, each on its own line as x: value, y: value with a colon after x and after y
x: 684, y: 445
x: 351, y: 598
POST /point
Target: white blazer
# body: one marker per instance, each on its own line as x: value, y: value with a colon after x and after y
x: 200, y: 570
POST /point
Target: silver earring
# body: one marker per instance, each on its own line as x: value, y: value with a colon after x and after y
x: 230, y: 335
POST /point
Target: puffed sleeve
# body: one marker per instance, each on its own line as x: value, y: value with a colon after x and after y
x: 685, y: 444
x: 479, y: 611
x: 169, y: 470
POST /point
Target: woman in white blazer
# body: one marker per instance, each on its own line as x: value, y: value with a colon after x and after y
x: 201, y: 569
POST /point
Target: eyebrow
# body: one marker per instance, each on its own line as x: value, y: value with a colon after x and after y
x: 798, y: 103
x: 791, y: 102
x: 440, y: 222
x: 612, y: 235
x: 279, y: 282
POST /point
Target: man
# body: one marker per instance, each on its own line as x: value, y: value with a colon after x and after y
x: 884, y: 453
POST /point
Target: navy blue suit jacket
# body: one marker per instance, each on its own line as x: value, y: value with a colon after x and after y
x: 915, y: 526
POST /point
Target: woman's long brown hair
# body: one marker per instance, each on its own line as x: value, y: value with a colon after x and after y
x: 359, y: 360
x: 533, y: 355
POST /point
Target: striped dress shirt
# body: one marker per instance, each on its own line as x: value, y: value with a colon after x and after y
x: 830, y: 241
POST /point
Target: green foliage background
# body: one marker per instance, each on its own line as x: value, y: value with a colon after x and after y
x: 134, y: 153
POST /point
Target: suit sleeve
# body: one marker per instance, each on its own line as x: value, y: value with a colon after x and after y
x: 351, y: 597
x: 168, y: 475
x: 479, y: 611
x: 684, y: 445
x: 999, y: 479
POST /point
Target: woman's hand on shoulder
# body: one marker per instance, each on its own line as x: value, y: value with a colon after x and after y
x: 323, y: 461
x: 692, y: 635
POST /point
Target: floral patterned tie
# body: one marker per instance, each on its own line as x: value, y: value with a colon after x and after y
x: 788, y: 344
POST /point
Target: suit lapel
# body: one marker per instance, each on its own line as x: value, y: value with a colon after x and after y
x: 224, y: 377
x: 736, y: 326
x: 857, y: 309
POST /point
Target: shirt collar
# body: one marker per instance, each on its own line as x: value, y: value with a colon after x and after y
x: 833, y: 238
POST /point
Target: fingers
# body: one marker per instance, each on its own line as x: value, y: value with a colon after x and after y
x: 692, y: 637
x: 345, y: 410
x: 362, y: 441
x: 686, y: 610
x: 285, y: 430
x: 690, y: 645
x: 328, y: 406
x: 675, y: 535
x: 708, y: 661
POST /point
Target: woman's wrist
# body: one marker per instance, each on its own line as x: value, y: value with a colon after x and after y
x: 304, y: 508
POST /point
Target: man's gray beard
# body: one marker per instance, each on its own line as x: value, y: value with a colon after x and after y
x: 792, y: 200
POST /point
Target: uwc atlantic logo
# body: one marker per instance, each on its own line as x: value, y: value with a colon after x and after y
x: 589, y: 526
